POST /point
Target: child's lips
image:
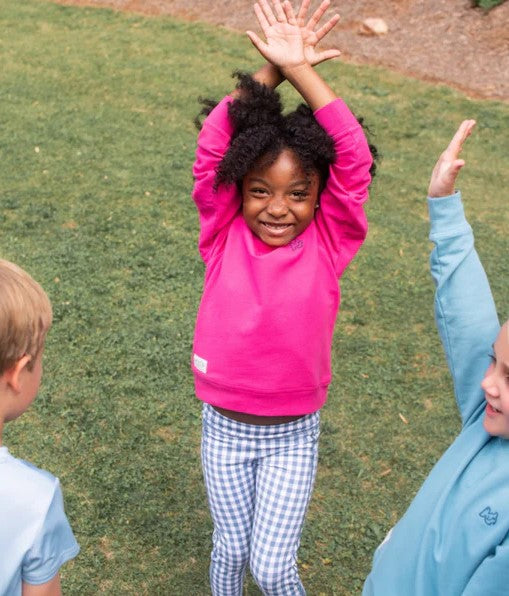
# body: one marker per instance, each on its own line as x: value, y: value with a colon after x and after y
x: 491, y: 410
x: 276, y: 228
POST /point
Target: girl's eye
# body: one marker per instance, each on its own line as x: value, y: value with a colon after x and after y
x: 258, y: 191
x: 299, y: 195
x: 492, y: 357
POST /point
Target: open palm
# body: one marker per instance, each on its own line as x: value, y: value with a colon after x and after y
x: 283, y: 45
x: 310, y: 37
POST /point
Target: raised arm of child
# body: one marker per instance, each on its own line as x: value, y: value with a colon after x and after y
x: 290, y: 48
x: 217, y: 207
x: 464, y: 308
x: 463, y: 501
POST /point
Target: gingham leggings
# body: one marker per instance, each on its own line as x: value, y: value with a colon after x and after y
x: 259, y: 481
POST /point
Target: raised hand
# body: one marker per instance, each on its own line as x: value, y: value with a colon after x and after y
x: 310, y: 37
x: 284, y: 46
x: 287, y: 55
x: 446, y: 170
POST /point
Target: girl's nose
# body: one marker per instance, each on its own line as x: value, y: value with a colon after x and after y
x: 277, y: 207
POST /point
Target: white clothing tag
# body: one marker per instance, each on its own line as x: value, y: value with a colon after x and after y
x: 200, y: 363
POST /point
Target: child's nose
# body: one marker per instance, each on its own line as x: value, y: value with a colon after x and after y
x: 489, y: 384
x: 277, y: 207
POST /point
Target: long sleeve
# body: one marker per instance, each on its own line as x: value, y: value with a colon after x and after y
x: 453, y: 538
x: 216, y: 207
x: 464, y: 308
x: 341, y: 219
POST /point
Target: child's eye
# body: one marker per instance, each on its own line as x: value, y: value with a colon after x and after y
x: 258, y: 191
x: 492, y: 357
x: 299, y: 195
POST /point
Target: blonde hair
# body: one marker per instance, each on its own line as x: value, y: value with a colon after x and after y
x: 25, y: 316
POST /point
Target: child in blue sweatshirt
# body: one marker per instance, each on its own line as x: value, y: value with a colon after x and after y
x: 454, y: 537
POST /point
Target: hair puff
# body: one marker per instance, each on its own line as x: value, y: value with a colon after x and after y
x: 261, y: 130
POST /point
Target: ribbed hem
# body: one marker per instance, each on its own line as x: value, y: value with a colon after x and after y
x: 293, y: 403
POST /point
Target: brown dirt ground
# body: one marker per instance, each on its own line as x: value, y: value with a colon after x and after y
x: 437, y: 40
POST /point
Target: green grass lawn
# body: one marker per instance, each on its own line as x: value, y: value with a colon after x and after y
x: 488, y: 4
x: 96, y: 146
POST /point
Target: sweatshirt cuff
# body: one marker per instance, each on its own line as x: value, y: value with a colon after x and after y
x: 336, y: 115
x: 447, y: 216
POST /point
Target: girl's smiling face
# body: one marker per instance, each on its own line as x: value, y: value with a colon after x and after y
x: 496, y: 387
x: 279, y: 199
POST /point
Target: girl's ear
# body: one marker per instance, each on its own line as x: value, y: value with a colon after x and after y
x: 12, y: 375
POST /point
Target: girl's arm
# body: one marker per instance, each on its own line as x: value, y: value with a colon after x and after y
x: 216, y: 206
x: 290, y: 46
x: 340, y: 218
x: 464, y: 308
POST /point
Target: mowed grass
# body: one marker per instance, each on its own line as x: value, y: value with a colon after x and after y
x: 488, y: 4
x: 96, y: 149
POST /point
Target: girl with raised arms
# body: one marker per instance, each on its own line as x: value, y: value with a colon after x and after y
x: 280, y: 200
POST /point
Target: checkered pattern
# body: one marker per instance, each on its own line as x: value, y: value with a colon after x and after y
x: 259, y: 481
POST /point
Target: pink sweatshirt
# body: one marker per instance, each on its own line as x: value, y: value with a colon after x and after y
x: 264, y: 328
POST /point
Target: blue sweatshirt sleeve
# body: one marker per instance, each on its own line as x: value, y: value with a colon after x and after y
x: 464, y: 308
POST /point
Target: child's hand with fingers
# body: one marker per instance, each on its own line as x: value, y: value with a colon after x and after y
x: 446, y: 170
x: 310, y: 37
x: 284, y: 46
x: 290, y: 40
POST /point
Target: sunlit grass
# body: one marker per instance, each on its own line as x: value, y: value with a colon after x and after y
x: 96, y: 151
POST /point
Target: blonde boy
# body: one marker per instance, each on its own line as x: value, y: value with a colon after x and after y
x: 35, y: 536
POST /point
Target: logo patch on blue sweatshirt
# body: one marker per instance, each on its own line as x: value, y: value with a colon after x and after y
x: 490, y: 517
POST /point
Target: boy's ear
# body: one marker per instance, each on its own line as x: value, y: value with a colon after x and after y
x: 12, y: 375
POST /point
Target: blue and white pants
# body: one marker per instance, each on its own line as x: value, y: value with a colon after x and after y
x: 259, y: 481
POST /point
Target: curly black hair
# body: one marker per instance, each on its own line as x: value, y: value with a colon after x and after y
x: 262, y: 131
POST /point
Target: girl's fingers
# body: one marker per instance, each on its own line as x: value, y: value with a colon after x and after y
x: 301, y: 14
x: 330, y: 24
x: 256, y: 41
x: 327, y: 55
x: 317, y: 15
x: 290, y: 15
x: 267, y: 12
x: 280, y: 12
x: 262, y: 17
